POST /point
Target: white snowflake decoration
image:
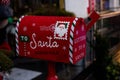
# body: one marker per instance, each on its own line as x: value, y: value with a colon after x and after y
x: 25, y: 28
x: 28, y: 53
x: 64, y: 48
x: 33, y: 24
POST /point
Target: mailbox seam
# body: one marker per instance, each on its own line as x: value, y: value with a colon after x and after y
x: 71, y: 40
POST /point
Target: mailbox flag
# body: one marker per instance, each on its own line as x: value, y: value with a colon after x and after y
x: 93, y: 18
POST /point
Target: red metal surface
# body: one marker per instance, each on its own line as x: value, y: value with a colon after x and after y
x: 52, y: 38
x: 51, y: 71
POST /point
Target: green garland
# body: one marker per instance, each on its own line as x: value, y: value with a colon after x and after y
x: 5, y: 62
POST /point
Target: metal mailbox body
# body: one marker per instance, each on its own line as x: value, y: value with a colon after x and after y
x: 58, y: 39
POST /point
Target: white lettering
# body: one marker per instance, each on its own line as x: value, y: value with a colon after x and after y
x: 79, y: 39
x: 34, y: 44
x: 79, y: 56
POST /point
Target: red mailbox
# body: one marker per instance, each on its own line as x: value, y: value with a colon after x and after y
x: 56, y: 39
x: 59, y: 39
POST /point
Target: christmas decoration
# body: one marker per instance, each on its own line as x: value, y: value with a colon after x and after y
x: 55, y: 39
x: 59, y: 39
